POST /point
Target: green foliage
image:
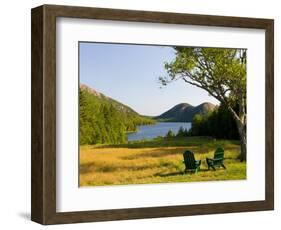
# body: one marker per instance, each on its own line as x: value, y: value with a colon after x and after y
x: 105, y: 121
x: 201, y: 141
x: 170, y: 134
x: 221, y: 72
x: 199, y: 125
x: 182, y: 132
x: 219, y: 124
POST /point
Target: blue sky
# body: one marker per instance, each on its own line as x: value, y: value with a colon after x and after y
x: 129, y: 74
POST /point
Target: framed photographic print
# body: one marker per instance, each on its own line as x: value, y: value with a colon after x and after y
x: 140, y: 114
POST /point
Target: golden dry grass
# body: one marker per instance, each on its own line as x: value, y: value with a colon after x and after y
x: 112, y: 166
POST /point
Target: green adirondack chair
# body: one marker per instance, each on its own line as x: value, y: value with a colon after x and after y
x: 217, y: 161
x: 191, y: 165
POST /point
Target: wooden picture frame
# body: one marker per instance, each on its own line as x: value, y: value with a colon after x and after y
x: 43, y: 189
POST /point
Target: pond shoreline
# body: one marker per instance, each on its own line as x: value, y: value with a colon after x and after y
x: 148, y: 132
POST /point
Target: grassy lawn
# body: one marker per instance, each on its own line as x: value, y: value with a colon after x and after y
x: 156, y: 161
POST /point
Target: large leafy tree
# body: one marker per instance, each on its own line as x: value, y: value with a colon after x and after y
x: 219, y: 71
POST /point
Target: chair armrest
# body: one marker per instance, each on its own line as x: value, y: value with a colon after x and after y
x: 218, y: 159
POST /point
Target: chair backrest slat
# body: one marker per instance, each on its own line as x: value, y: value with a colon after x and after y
x: 219, y: 153
x: 189, y: 159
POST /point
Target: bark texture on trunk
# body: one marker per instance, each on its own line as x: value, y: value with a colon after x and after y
x: 243, y: 141
x: 241, y: 125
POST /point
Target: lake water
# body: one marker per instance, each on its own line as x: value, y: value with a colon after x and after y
x: 159, y: 129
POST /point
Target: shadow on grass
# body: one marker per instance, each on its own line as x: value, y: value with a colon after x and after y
x: 161, y: 174
x: 168, y: 174
x: 154, y: 153
x: 202, y: 142
x: 95, y: 167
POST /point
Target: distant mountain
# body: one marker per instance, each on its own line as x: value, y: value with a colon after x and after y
x: 185, y: 112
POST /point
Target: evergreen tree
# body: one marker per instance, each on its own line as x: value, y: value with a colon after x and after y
x: 170, y: 134
x: 181, y: 132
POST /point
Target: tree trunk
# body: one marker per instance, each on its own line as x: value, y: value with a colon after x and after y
x: 241, y: 125
x: 243, y: 141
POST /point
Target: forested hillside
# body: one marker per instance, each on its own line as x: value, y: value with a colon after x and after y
x: 219, y: 124
x: 104, y: 120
